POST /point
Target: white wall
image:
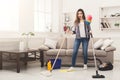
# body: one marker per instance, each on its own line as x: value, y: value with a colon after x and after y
x: 26, y: 15
x: 55, y: 15
x: 92, y: 7
x: 26, y: 20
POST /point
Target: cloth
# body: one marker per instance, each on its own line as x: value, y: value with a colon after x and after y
x: 76, y: 30
x: 82, y: 29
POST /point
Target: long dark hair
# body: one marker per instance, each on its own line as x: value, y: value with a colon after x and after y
x: 77, y: 20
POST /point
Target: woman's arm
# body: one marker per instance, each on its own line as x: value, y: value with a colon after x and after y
x: 73, y: 31
x: 68, y: 31
x: 90, y: 31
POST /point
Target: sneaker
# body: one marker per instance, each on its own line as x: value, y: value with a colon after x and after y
x: 85, y: 67
x: 70, y: 69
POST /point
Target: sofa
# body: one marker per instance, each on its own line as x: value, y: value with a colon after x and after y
x: 106, y: 55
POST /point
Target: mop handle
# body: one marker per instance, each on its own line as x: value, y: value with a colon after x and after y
x: 58, y: 54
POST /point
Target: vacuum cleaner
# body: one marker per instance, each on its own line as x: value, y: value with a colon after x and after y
x: 89, y: 19
x: 97, y: 75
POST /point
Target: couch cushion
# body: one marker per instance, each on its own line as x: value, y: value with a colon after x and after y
x: 69, y: 52
x: 53, y: 52
x: 98, y: 44
x: 70, y: 43
x: 106, y: 43
x: 59, y: 42
x: 95, y: 40
x: 44, y: 47
x: 50, y: 43
x: 99, y: 53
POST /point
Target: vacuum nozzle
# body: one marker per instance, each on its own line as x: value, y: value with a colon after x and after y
x: 98, y: 75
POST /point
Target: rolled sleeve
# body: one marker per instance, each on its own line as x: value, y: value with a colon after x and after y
x: 74, y: 30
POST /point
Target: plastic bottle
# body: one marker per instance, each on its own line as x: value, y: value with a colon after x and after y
x: 49, y: 65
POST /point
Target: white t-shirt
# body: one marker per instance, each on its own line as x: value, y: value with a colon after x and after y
x: 82, y: 29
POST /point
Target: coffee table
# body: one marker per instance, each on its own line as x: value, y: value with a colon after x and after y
x: 17, y: 53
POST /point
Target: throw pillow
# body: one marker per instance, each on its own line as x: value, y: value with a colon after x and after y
x: 98, y: 44
x: 50, y: 43
x: 106, y: 43
x: 43, y: 47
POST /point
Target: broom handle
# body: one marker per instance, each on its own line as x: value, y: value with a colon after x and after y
x: 58, y: 54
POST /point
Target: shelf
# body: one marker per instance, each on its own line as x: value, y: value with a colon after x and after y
x: 110, y: 17
x: 108, y: 22
x: 110, y: 28
x: 106, y: 7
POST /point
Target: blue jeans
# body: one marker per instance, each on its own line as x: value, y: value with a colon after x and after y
x: 77, y: 43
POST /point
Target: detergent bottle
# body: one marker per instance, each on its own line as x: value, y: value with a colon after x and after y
x: 49, y: 65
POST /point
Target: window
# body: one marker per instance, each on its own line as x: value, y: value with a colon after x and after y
x: 9, y: 15
x: 42, y: 15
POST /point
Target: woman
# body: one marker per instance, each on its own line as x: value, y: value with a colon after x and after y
x: 82, y: 31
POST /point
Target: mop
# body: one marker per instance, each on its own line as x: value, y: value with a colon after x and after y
x: 95, y: 61
x: 48, y: 73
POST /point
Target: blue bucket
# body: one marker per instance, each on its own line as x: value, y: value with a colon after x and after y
x: 57, y: 64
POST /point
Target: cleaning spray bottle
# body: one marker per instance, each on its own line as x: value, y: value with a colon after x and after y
x: 49, y: 65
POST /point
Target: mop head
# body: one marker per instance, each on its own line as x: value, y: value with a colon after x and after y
x: 46, y: 73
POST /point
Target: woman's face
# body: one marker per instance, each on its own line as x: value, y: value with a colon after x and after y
x: 80, y: 15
